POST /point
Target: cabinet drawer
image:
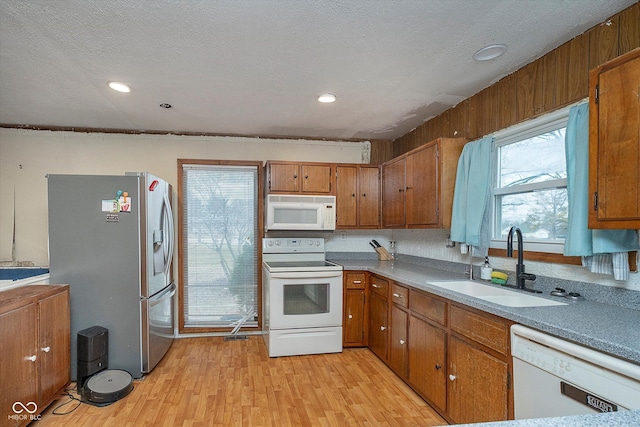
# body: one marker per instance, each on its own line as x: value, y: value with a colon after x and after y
x: 355, y: 280
x: 400, y: 295
x: 425, y: 305
x: 488, y: 331
x: 380, y: 286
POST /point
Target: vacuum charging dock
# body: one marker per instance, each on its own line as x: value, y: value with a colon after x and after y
x: 96, y: 383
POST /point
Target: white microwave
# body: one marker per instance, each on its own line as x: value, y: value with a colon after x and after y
x: 293, y: 212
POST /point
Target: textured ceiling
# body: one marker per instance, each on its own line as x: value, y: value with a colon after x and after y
x: 256, y: 67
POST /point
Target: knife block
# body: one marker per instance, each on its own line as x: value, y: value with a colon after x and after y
x: 383, y: 254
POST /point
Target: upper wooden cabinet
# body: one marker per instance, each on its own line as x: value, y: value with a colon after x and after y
x: 614, y: 143
x: 295, y: 177
x: 357, y: 196
x: 393, y: 192
x: 417, y: 187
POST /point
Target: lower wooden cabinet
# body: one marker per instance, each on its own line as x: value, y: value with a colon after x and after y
x: 480, y: 366
x: 35, y: 342
x: 456, y: 357
x: 355, y: 309
x: 54, y: 342
x: 427, y: 361
x: 398, y: 341
x: 378, y: 325
x: 478, y: 382
x: 378, y: 338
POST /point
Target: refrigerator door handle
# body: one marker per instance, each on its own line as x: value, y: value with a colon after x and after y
x: 169, y: 257
x: 169, y: 293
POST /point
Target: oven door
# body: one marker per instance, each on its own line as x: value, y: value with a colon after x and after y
x: 305, y: 299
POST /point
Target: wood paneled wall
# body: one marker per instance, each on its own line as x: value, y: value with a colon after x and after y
x: 381, y: 151
x: 555, y: 80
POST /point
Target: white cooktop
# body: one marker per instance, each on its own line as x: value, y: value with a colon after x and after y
x: 295, y: 254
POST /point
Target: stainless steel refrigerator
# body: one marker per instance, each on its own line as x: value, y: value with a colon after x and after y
x: 111, y: 239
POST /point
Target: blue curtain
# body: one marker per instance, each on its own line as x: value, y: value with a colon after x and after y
x: 580, y: 240
x: 470, y: 213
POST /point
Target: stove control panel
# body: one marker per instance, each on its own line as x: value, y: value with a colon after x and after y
x: 289, y: 245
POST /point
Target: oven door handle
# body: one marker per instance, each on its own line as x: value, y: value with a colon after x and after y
x: 305, y: 274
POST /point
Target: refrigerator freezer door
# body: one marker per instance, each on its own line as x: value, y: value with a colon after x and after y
x: 157, y: 326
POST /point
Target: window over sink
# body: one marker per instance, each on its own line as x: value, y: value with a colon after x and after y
x: 530, y: 183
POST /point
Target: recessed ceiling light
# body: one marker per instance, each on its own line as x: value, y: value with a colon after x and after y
x: 490, y: 52
x: 327, y: 97
x: 120, y: 87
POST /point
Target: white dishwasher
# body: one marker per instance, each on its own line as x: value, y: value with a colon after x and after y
x: 553, y: 377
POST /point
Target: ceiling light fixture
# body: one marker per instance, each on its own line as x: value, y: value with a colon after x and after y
x: 490, y: 52
x: 120, y: 87
x: 327, y: 97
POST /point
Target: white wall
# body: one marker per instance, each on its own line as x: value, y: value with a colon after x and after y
x: 26, y: 156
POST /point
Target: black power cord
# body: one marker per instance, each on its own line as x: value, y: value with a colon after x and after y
x: 80, y: 401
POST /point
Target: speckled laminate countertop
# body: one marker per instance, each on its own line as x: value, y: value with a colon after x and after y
x: 610, y: 329
x: 611, y: 419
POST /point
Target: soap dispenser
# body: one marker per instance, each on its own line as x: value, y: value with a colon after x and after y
x: 486, y: 270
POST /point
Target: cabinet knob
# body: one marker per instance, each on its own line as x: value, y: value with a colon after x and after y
x: 375, y: 286
x: 400, y: 190
x: 398, y: 296
x: 382, y: 328
x: 353, y: 195
x: 357, y: 282
x: 350, y: 316
x: 295, y: 176
x: 402, y: 342
x: 364, y: 194
x: 452, y: 377
x: 46, y: 349
x: 438, y: 366
x: 32, y: 358
x: 306, y: 177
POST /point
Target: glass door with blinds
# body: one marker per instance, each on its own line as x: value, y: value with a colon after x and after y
x: 219, y: 245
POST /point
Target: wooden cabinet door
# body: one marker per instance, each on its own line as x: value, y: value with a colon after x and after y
x: 393, y: 193
x: 477, y: 389
x: 18, y: 370
x: 614, y: 143
x: 422, y: 187
x: 353, y: 330
x: 369, y: 196
x: 398, y: 342
x: 316, y: 178
x: 427, y: 363
x: 54, y: 345
x: 283, y: 177
x: 346, y: 196
x: 378, y: 325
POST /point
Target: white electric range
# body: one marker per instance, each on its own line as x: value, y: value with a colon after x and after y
x: 302, y: 298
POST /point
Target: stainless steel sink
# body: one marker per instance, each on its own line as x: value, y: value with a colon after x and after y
x: 496, y: 295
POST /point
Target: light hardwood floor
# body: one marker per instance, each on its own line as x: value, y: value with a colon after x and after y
x: 212, y: 382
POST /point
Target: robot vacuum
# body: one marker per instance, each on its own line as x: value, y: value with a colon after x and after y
x: 107, y: 386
